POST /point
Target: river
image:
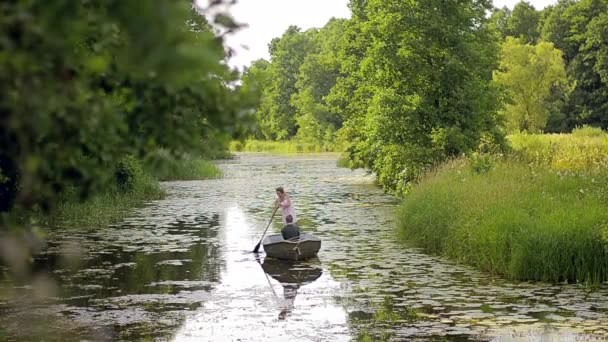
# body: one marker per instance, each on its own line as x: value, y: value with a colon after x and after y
x: 181, y: 269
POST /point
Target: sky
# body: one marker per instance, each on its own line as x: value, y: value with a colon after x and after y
x: 267, y: 19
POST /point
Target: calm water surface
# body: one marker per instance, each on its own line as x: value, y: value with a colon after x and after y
x: 180, y: 269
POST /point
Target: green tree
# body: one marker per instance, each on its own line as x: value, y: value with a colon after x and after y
x: 287, y: 55
x: 530, y: 73
x: 578, y: 29
x: 428, y: 67
x: 255, y: 80
x: 523, y: 22
x: 316, y: 77
x: 499, y: 21
x: 82, y: 84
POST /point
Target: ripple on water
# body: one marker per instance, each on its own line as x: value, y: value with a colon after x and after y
x: 177, y: 269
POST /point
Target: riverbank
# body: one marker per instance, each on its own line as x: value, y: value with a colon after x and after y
x: 279, y: 147
x: 537, y: 213
x: 116, y: 202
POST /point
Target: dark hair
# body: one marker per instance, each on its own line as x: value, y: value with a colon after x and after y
x: 280, y: 189
x: 289, y: 219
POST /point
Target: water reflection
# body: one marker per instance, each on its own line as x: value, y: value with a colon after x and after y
x: 291, y: 276
x: 181, y: 268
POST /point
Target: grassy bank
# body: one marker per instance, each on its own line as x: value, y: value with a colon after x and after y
x: 539, y: 213
x: 282, y: 147
x: 185, y: 169
x: 135, y: 185
x: 104, y: 208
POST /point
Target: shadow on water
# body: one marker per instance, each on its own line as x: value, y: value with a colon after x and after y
x: 125, y: 281
x: 291, y: 276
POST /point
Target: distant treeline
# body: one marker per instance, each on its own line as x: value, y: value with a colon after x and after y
x: 405, y: 85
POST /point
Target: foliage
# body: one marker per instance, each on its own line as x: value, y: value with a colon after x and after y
x: 523, y: 22
x: 101, y: 209
x: 589, y: 131
x: 83, y: 84
x: 578, y: 28
x: 255, y: 80
x: 185, y: 167
x: 530, y: 73
x: 429, y: 88
x: 317, y: 75
x: 292, y: 146
x: 277, y: 115
x: 520, y: 222
x: 565, y: 152
x: 404, y: 86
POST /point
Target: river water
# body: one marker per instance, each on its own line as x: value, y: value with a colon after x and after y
x: 181, y: 269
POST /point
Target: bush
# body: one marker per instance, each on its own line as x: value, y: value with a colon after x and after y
x: 481, y: 163
x: 128, y: 173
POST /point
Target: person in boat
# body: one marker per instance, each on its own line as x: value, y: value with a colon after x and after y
x: 290, y: 230
x: 284, y: 201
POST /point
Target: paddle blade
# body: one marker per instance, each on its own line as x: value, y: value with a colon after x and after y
x: 257, y: 248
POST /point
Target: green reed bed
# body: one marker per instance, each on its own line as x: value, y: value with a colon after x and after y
x: 135, y: 184
x: 185, y: 169
x: 522, y: 221
x: 291, y: 146
x: 583, y: 150
x: 104, y: 208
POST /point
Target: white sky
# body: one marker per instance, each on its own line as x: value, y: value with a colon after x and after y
x: 268, y: 19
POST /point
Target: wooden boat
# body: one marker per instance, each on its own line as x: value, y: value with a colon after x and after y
x: 301, y: 248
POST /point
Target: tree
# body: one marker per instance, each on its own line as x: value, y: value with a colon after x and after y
x: 578, y: 29
x: 255, y: 80
x: 316, y: 77
x: 82, y: 84
x: 287, y: 55
x: 523, y: 22
x: 530, y: 73
x: 499, y: 21
x: 428, y: 69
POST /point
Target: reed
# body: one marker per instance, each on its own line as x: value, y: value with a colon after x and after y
x: 516, y: 219
x: 291, y: 146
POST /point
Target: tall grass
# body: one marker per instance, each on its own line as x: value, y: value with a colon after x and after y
x: 585, y: 149
x: 137, y: 184
x: 103, y: 208
x: 537, y: 213
x: 185, y: 169
x: 282, y: 146
x: 522, y: 222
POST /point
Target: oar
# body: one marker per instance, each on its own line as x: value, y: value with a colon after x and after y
x: 257, y: 247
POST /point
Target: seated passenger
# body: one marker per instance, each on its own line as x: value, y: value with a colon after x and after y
x: 290, y: 231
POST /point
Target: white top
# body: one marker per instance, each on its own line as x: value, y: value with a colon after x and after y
x: 287, y: 209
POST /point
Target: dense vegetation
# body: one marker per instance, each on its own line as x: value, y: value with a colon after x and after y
x: 90, y: 92
x: 536, y: 213
x: 404, y: 86
x: 455, y: 97
x: 97, y: 103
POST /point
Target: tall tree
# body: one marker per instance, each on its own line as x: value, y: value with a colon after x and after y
x: 255, y: 80
x: 578, y: 29
x: 317, y: 76
x: 287, y: 55
x: 523, y: 22
x: 428, y: 68
x: 530, y: 73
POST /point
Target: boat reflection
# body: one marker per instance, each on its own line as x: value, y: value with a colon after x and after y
x: 292, y: 276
